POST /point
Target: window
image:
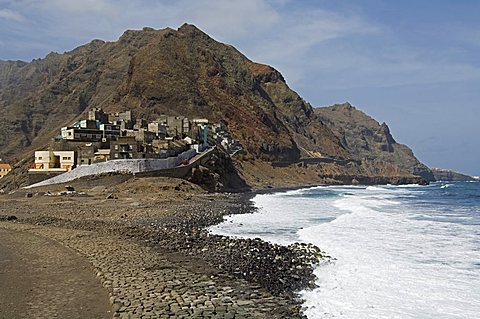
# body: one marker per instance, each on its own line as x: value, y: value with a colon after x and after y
x: 40, y: 158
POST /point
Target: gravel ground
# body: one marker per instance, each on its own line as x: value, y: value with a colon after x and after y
x: 146, y: 241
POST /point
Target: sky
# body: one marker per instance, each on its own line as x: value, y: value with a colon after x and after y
x: 412, y: 64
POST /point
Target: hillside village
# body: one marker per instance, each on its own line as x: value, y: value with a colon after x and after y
x: 106, y: 137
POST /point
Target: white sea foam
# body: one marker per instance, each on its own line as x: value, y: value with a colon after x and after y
x: 390, y: 266
x: 393, y: 260
x: 278, y: 219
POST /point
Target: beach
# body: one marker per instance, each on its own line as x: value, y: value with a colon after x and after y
x: 143, y: 240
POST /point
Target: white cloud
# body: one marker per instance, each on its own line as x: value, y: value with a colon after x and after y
x: 293, y: 45
x: 345, y: 68
x: 232, y: 19
x: 103, y: 7
x: 8, y: 14
x: 88, y: 19
x: 319, y: 47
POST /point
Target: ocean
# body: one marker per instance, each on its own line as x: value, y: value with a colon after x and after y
x: 399, y: 251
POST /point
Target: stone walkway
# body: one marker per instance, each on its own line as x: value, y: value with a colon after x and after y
x: 143, y: 283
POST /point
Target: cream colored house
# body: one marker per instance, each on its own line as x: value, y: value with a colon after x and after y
x: 54, y: 161
x: 102, y: 155
x: 4, y: 169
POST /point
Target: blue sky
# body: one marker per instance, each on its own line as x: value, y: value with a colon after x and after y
x: 412, y: 64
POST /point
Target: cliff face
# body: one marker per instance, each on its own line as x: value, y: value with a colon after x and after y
x: 366, y: 139
x: 177, y: 72
x: 449, y: 175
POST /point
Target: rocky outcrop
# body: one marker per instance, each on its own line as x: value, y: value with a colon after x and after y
x: 366, y: 139
x: 449, y: 175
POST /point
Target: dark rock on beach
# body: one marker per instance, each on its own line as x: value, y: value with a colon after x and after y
x: 154, y: 254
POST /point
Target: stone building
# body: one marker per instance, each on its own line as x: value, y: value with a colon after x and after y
x: 98, y: 115
x: 54, y: 161
x: 4, y: 169
x: 127, y: 147
x: 90, y: 131
x: 158, y: 128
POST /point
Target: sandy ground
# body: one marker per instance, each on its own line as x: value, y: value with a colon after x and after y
x: 40, y: 278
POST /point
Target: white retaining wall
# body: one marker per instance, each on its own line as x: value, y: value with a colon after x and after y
x: 128, y: 166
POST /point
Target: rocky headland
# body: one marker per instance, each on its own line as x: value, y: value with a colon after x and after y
x: 450, y: 175
x: 366, y: 139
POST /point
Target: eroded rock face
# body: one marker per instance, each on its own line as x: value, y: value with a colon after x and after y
x: 365, y: 138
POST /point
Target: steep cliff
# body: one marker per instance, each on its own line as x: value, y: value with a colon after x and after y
x: 366, y: 139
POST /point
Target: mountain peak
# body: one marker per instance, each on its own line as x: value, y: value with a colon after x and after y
x: 346, y: 106
x: 192, y: 31
x: 187, y: 27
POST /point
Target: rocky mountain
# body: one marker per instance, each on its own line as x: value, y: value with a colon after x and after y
x: 366, y: 139
x: 449, y: 175
x: 182, y: 72
x: 176, y: 72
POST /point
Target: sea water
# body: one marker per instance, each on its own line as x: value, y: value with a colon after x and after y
x: 400, y: 251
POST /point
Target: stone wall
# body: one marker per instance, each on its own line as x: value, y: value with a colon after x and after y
x: 183, y: 170
x: 126, y: 166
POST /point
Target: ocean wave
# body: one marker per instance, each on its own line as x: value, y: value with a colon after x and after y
x: 401, y: 252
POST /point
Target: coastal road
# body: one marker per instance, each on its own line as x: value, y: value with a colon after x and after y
x: 40, y: 278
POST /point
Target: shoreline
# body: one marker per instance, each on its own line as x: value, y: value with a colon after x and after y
x: 172, y: 230
x: 173, y: 227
